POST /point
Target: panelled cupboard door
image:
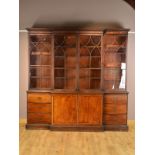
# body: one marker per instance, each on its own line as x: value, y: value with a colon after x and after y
x: 90, y: 110
x: 64, y: 109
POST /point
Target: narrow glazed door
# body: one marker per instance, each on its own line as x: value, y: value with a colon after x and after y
x: 64, y: 109
x: 90, y: 110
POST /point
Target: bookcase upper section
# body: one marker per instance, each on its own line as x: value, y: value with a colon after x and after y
x: 77, y: 59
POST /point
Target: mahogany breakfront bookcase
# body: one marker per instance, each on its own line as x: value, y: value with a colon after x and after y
x: 77, y: 79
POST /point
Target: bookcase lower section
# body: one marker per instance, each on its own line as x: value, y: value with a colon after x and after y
x: 77, y: 111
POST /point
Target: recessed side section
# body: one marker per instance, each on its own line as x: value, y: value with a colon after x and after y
x: 115, y: 109
x: 38, y: 110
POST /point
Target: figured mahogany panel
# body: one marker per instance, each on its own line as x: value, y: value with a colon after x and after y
x: 64, y: 109
x: 39, y: 118
x: 39, y: 98
x: 90, y: 109
x: 39, y: 107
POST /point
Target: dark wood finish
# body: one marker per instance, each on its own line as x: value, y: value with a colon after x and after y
x: 77, y: 79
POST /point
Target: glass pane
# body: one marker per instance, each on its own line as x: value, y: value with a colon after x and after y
x: 84, y: 73
x: 59, y: 51
x: 45, y: 83
x: 112, y: 73
x: 115, y: 42
x: 115, y: 78
x: 70, y: 84
x: 114, y: 59
x: 45, y: 60
x: 34, y: 60
x: 84, y: 51
x: 96, y: 73
x: 95, y: 62
x: 46, y: 71
x: 35, y: 83
x: 59, y: 72
x: 70, y: 40
x: 35, y: 71
x: 40, y: 44
x: 59, y: 83
x: 90, y: 60
x: 70, y: 73
x: 70, y: 51
x: 84, y: 62
x: 95, y: 84
x: 84, y: 83
x: 65, y: 40
x: 88, y: 40
x: 59, y: 62
x: 70, y: 62
x: 96, y: 52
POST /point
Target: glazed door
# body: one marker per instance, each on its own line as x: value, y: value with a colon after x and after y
x: 64, y: 109
x: 90, y: 110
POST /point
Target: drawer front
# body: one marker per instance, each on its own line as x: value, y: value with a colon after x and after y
x: 109, y: 119
x: 115, y: 98
x: 109, y: 98
x: 113, y: 108
x: 122, y: 119
x: 109, y: 108
x: 39, y: 98
x: 115, y: 119
x: 39, y: 118
x: 121, y: 108
x: 39, y: 107
x: 121, y: 99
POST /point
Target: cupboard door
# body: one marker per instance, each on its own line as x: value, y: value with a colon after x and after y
x: 90, y: 110
x: 64, y: 109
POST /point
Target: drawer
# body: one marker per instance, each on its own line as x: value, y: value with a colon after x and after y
x: 110, y: 119
x: 109, y: 108
x: 115, y: 119
x: 113, y: 108
x: 39, y: 98
x: 121, y: 99
x: 121, y: 108
x: 39, y: 107
x: 109, y: 98
x: 39, y: 118
x: 122, y: 119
